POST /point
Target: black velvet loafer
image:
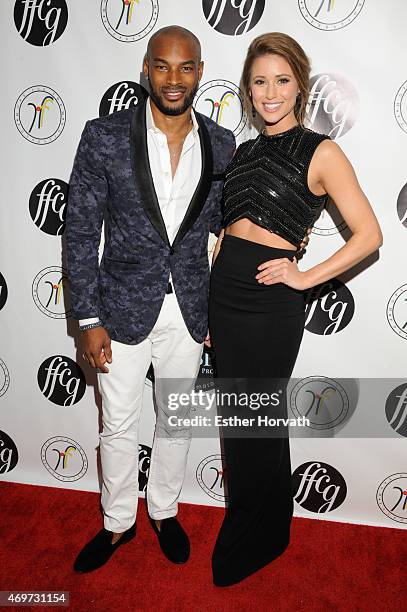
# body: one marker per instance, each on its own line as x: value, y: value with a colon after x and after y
x: 173, y: 540
x: 99, y: 550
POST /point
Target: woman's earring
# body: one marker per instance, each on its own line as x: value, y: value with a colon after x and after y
x: 253, y: 112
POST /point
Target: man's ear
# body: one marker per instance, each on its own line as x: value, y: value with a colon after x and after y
x: 201, y: 66
x: 145, y: 66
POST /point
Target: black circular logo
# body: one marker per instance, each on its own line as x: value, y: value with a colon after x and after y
x: 318, y: 487
x: 150, y: 378
x: 221, y: 101
x: 61, y: 380
x: 144, y: 458
x: 323, y: 401
x: 39, y: 114
x: 49, y: 292
x: 402, y: 205
x: 129, y: 20
x: 3, y: 291
x: 121, y: 95
x: 327, y: 15
x: 4, y: 378
x: 391, y: 497
x: 329, y: 308
x: 333, y: 105
x: 396, y: 409
x: 64, y: 458
x: 400, y: 106
x: 8, y: 453
x: 40, y: 22
x: 397, y: 311
x: 47, y: 206
x: 233, y: 17
x: 210, y: 477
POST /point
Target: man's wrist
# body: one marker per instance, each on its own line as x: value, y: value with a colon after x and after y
x: 84, y: 325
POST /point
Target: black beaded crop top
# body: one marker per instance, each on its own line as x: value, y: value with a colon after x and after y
x: 266, y: 182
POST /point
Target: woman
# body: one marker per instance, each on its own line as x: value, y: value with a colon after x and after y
x: 275, y: 189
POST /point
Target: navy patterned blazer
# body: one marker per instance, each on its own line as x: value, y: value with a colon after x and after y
x: 111, y: 181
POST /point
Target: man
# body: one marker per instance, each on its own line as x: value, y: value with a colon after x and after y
x: 154, y: 175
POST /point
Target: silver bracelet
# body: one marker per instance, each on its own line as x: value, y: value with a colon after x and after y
x: 90, y: 326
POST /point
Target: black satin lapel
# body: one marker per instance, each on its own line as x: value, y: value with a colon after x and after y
x: 143, y: 179
x: 204, y: 185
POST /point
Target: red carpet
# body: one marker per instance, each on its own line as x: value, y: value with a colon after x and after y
x: 328, y: 566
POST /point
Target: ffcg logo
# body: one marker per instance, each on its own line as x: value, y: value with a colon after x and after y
x: 47, y: 206
x: 233, y: 17
x: 329, y: 308
x: 39, y: 114
x: 120, y: 96
x: 61, y: 380
x: 8, y: 453
x: 3, y: 291
x: 333, y: 105
x: 318, y: 487
x: 40, y: 22
x: 144, y: 458
x: 402, y: 206
x: 396, y: 409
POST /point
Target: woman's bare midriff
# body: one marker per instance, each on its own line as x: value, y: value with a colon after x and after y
x: 246, y: 229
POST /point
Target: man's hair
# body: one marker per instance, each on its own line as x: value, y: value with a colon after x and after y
x: 175, y: 31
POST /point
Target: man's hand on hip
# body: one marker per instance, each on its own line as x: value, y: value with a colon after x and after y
x: 96, y: 346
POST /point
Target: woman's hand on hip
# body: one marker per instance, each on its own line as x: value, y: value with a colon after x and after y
x: 282, y: 270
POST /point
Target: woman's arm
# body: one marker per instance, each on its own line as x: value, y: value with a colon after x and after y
x: 217, y: 246
x: 331, y: 171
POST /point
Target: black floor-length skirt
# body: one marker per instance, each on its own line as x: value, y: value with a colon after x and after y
x: 256, y: 331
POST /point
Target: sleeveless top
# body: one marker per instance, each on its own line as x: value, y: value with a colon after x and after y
x: 266, y: 182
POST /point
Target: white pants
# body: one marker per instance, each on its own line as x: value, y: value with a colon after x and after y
x: 174, y: 354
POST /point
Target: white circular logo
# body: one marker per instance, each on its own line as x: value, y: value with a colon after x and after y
x: 328, y: 14
x: 39, y: 114
x: 4, y: 378
x: 48, y: 291
x: 391, y: 497
x: 323, y: 401
x: 221, y: 101
x: 333, y: 105
x: 129, y: 20
x: 400, y: 107
x: 397, y: 311
x: 210, y: 477
x: 64, y: 458
x: 329, y: 222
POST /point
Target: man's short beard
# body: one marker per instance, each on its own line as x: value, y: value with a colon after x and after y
x: 174, y: 112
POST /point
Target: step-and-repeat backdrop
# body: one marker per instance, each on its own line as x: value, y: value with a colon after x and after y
x: 66, y: 61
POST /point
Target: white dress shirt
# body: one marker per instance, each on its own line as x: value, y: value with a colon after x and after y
x: 173, y: 194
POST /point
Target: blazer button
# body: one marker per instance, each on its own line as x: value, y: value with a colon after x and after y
x: 172, y: 251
